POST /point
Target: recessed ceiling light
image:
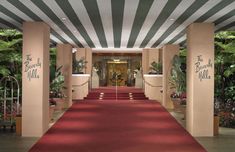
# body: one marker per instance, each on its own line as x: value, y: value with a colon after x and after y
x: 74, y: 50
x: 63, y: 19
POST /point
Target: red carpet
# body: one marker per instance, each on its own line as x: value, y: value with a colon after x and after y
x: 117, y: 126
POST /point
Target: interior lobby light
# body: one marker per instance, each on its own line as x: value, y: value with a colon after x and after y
x: 116, y: 60
x: 63, y: 18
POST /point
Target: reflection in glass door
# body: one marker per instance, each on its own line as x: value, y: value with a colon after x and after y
x: 117, y: 73
x: 122, y: 65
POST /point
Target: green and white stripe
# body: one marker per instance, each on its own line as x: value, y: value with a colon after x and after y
x: 118, y: 23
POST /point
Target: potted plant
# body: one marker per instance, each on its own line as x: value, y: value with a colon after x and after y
x: 79, y: 65
x: 178, y: 83
x: 156, y: 68
x: 56, y: 89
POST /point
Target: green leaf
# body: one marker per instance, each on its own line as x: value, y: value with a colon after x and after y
x: 230, y: 71
x: 4, y: 71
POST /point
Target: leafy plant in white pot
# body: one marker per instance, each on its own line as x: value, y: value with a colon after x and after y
x: 56, y: 89
x: 156, y: 68
x: 178, y: 83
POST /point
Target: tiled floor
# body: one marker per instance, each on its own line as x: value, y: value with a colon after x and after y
x: 225, y: 142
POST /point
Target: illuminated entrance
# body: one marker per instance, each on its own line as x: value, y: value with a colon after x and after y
x: 116, y: 68
x: 117, y: 73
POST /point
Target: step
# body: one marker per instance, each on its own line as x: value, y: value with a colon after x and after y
x: 117, y: 98
x: 115, y: 95
x: 93, y: 95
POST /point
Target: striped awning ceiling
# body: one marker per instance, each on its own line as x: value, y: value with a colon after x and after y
x: 118, y: 23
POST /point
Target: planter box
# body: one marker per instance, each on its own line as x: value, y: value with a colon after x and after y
x: 59, y: 104
x: 18, y: 125
x: 178, y: 106
x: 216, y: 125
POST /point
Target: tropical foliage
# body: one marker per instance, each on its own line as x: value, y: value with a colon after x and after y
x: 178, y: 77
x: 10, y: 53
x: 156, y: 68
x: 57, y: 84
x: 225, y: 77
x: 52, y: 63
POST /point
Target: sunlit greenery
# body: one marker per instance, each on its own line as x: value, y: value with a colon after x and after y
x: 224, y: 76
x: 225, y: 65
x: 178, y: 77
x: 11, y: 55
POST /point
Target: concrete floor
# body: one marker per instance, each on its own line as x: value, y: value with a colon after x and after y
x: 224, y: 142
x: 10, y: 142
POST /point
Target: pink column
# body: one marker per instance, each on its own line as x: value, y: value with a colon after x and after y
x: 200, y: 79
x: 64, y: 59
x: 145, y: 61
x: 89, y: 60
x: 35, y: 79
